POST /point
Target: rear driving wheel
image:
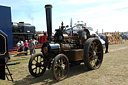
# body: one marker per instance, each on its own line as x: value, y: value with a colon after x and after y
x: 60, y: 67
x: 93, y: 53
x: 36, y: 65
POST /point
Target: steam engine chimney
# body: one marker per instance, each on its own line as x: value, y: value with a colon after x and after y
x: 49, y: 21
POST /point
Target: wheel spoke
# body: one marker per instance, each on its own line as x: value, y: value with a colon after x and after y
x: 58, y: 62
x: 91, y: 48
x: 95, y: 49
x: 36, y: 61
x: 90, y: 52
x: 40, y: 69
x: 33, y: 64
x: 37, y: 58
x: 92, y: 63
x: 93, y: 45
x: 58, y: 65
x: 95, y: 57
x: 35, y: 69
x: 97, y: 45
x: 90, y: 57
x: 61, y: 61
x: 64, y: 71
x: 58, y: 73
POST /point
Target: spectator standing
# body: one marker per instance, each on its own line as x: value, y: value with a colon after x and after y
x: 26, y: 47
x: 44, y: 38
x: 34, y: 42
x: 21, y: 46
x: 31, y: 47
x: 18, y: 46
x: 106, y: 44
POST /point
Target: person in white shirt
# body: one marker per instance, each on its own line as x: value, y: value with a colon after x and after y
x: 18, y: 46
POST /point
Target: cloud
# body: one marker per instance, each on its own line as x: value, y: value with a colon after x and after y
x: 103, y: 16
x: 110, y: 15
x: 81, y: 2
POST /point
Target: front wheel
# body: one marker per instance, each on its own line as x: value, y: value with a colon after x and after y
x: 36, y: 65
x: 60, y: 67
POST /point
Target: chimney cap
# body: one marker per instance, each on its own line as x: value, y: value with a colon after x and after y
x: 48, y: 6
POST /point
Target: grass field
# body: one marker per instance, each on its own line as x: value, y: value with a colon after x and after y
x: 113, y: 71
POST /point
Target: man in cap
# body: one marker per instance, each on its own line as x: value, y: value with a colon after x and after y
x: 106, y: 44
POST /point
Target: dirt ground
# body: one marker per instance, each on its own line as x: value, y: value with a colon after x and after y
x: 113, y: 71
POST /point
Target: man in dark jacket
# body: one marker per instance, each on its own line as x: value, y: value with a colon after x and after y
x: 106, y: 44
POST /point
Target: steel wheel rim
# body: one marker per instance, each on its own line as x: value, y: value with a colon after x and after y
x: 37, y: 65
x: 61, y: 68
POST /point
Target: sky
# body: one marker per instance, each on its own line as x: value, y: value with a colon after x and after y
x: 109, y: 15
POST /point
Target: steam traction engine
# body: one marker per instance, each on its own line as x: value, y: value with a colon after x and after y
x: 65, y: 50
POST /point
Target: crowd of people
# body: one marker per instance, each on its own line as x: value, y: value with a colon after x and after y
x: 27, y: 45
